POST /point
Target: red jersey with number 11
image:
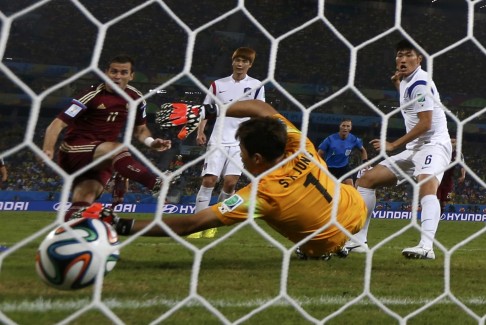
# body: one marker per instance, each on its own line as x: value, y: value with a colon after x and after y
x: 100, y: 115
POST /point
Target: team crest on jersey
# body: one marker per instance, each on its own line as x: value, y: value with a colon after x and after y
x: 102, y: 106
x: 231, y: 203
x: 421, y: 98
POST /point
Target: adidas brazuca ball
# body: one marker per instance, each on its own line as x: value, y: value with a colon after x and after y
x: 66, y: 263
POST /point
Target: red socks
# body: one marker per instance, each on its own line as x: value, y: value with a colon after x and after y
x: 132, y: 169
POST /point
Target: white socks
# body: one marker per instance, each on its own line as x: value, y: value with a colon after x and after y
x: 430, y: 217
x: 223, y: 196
x: 369, y: 197
x: 203, y: 198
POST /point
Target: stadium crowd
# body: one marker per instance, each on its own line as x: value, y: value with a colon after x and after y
x: 27, y: 173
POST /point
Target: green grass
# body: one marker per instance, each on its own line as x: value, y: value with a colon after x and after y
x: 244, y: 272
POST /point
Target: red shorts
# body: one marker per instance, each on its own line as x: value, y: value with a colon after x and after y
x: 444, y: 192
x: 72, y: 160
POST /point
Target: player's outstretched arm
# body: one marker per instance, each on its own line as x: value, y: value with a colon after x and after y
x: 143, y: 134
x: 51, y: 136
x: 250, y: 108
x: 182, y: 225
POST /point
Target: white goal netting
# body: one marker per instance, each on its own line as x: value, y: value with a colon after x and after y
x: 320, y: 61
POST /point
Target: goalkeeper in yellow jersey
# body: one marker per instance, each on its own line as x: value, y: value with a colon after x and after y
x: 294, y: 195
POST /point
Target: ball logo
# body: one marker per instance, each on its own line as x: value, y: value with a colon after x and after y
x: 64, y: 262
x: 170, y: 208
x: 57, y: 206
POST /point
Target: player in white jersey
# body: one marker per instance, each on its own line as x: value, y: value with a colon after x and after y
x: 226, y: 162
x: 427, y: 151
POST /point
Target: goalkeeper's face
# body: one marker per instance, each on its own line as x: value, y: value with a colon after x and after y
x: 120, y: 73
x: 251, y: 163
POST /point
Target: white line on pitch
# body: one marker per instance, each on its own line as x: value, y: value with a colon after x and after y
x: 56, y: 305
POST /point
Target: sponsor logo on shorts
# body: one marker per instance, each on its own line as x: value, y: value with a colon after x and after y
x: 231, y: 203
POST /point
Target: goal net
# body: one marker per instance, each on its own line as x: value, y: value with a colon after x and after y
x: 320, y: 61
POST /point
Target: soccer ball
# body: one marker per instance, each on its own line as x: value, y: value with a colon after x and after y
x: 65, y: 262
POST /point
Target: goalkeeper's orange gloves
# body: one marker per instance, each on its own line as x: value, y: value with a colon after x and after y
x: 188, y: 116
x: 96, y: 211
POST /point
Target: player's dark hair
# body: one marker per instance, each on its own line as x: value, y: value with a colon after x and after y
x: 264, y: 135
x: 121, y: 58
x: 245, y: 53
x: 406, y: 45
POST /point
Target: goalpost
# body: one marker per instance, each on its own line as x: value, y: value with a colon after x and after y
x: 316, y: 58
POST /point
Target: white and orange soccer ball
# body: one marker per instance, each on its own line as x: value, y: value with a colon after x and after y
x: 67, y: 263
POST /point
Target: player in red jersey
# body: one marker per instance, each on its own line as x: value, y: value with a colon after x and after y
x: 444, y: 192
x: 93, y: 123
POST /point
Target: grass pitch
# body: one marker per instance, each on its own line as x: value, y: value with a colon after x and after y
x: 243, y: 279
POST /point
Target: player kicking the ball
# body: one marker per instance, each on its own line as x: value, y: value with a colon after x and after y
x: 93, y: 124
x: 294, y: 196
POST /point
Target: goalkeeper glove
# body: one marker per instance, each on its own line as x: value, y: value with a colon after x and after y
x: 188, y: 116
x: 96, y: 211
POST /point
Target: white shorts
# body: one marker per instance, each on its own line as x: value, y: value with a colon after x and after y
x: 217, y: 162
x: 431, y: 159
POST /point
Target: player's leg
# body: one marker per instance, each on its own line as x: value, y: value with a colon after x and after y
x: 383, y: 174
x: 231, y: 172
x: 444, y: 194
x: 442, y: 197
x: 228, y: 189
x: 119, y: 190
x: 124, y: 163
x: 229, y: 185
x: 86, y: 187
x: 434, y: 159
x: 367, y: 184
x: 212, y: 168
x: 334, y: 244
x: 430, y: 216
x: 348, y: 180
x: 85, y: 192
x: 203, y: 197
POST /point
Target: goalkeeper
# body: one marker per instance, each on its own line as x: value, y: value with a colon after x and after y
x: 294, y: 196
